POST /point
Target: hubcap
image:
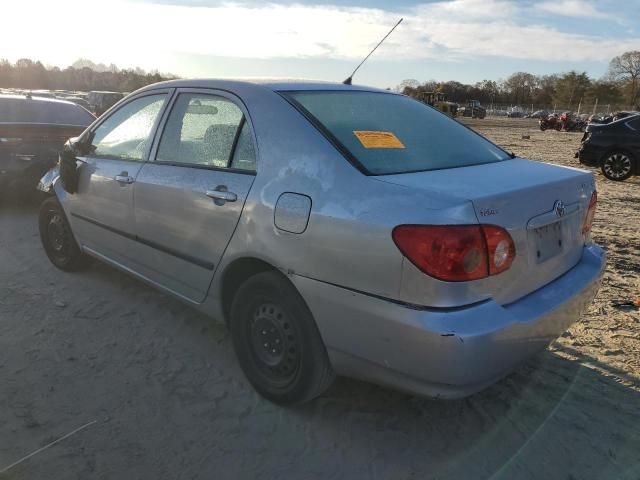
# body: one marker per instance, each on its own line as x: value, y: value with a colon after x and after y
x: 56, y: 233
x: 617, y: 165
x: 274, y: 342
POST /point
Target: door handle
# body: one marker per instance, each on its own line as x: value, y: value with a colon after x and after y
x: 221, y: 195
x: 124, y: 178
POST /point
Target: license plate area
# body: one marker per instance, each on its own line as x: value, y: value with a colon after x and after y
x: 548, y: 240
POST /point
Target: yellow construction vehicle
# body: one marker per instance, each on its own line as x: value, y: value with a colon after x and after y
x: 438, y: 100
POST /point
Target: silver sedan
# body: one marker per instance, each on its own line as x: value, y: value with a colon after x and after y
x: 336, y: 229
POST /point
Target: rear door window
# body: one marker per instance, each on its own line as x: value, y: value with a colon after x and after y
x: 244, y: 156
x: 384, y: 133
x: 208, y: 131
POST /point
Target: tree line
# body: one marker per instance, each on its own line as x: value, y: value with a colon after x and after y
x: 619, y: 87
x: 83, y: 75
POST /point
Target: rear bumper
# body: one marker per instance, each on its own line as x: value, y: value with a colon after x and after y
x: 589, y: 156
x: 447, y: 353
x: 19, y: 174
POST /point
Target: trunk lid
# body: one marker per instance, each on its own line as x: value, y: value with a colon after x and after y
x: 25, y: 146
x: 542, y: 207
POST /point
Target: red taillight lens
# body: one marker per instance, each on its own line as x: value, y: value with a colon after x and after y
x: 591, y: 213
x: 456, y: 253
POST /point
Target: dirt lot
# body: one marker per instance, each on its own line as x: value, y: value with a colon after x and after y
x: 169, y: 402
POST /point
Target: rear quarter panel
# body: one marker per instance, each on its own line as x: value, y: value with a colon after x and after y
x: 348, y: 238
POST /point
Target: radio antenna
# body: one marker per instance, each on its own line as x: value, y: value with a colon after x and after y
x: 350, y: 79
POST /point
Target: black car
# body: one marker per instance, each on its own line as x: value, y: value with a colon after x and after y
x: 32, y: 132
x: 614, y: 147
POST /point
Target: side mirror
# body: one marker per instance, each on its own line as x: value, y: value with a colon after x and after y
x: 70, y: 165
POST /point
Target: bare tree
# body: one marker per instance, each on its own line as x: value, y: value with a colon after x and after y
x: 410, y: 83
x: 626, y: 69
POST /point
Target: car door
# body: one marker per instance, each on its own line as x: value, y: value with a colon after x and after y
x: 102, y: 210
x: 189, y: 196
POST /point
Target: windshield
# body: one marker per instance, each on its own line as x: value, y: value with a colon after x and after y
x: 385, y: 133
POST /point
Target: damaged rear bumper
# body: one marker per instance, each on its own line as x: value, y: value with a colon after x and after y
x: 447, y: 353
x: 23, y: 173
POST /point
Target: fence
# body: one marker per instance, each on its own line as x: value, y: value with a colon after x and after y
x: 502, y: 109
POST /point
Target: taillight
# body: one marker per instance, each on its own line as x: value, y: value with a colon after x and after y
x: 591, y: 213
x: 456, y: 253
x: 500, y: 247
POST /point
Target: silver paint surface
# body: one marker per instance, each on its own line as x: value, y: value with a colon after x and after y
x: 361, y: 291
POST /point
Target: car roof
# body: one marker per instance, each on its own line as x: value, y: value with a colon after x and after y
x: 34, y: 98
x: 273, y: 84
x: 628, y: 116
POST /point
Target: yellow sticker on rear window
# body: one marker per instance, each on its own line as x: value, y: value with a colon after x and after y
x: 372, y: 139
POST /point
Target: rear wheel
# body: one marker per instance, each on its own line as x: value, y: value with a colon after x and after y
x: 277, y: 342
x: 617, y: 166
x: 57, y: 239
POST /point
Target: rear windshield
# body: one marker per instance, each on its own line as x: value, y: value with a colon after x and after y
x: 21, y: 110
x: 386, y: 133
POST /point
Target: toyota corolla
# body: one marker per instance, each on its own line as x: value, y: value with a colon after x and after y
x: 336, y: 229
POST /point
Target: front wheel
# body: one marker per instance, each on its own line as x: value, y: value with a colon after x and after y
x: 542, y: 127
x: 617, y: 166
x: 57, y: 238
x: 277, y: 342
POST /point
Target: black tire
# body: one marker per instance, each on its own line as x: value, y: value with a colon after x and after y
x: 277, y: 341
x: 542, y: 128
x: 617, y: 165
x: 57, y: 238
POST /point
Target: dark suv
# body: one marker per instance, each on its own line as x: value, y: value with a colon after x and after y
x: 32, y: 132
x: 614, y: 147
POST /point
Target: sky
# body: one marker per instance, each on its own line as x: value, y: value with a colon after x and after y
x: 463, y: 40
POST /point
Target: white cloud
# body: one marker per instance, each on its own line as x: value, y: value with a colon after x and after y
x: 573, y: 8
x: 142, y: 33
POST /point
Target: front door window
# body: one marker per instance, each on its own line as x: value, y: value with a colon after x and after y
x: 125, y: 134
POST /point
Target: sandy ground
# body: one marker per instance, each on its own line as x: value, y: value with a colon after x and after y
x: 168, y: 400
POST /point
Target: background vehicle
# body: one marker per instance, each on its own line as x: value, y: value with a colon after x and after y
x: 335, y: 228
x: 439, y: 101
x: 100, y: 102
x: 614, y: 147
x: 538, y: 114
x: 473, y: 109
x: 32, y: 132
x: 552, y: 122
x: 515, y: 112
x: 571, y: 123
x: 79, y: 101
